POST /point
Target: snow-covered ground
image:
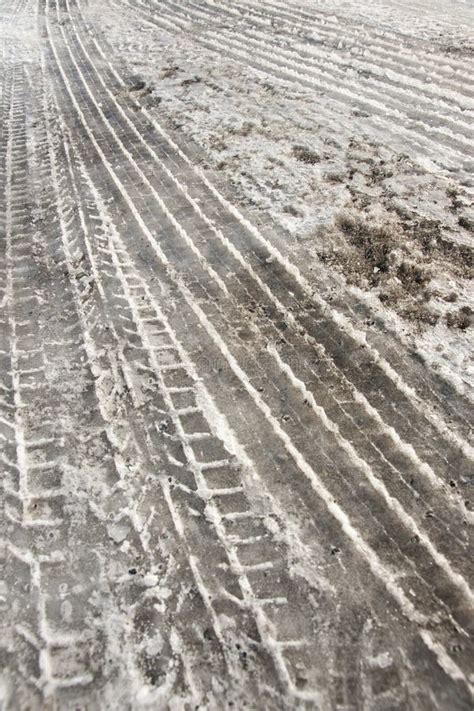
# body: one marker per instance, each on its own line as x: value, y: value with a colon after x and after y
x: 236, y: 261
x: 345, y: 123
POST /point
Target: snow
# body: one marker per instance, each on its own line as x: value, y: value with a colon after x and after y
x: 253, y: 129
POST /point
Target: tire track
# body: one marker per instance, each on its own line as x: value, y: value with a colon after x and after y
x: 191, y: 303
x: 212, y: 208
x: 392, y: 69
x: 461, y: 556
x: 212, y: 512
x: 207, y: 468
x: 7, y: 411
x: 57, y: 651
x: 413, y: 134
x: 296, y: 74
x: 399, y: 90
x: 218, y: 234
x: 149, y: 521
x: 395, y: 48
x: 124, y: 265
x: 33, y: 503
x: 166, y: 344
x: 344, y: 323
x: 247, y: 521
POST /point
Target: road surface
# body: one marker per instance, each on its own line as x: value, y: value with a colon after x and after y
x: 219, y: 491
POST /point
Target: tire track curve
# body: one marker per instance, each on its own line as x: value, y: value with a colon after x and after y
x: 137, y: 217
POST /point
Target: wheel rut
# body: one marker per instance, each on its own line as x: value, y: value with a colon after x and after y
x: 215, y: 490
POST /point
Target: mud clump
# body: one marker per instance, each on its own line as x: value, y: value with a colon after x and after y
x: 291, y: 210
x: 191, y: 81
x: 245, y: 129
x: 461, y: 48
x: 467, y: 223
x: 169, y: 72
x: 428, y: 234
x: 377, y: 254
x: 420, y: 314
x: 142, y: 92
x: 374, y: 245
x: 334, y: 177
x: 305, y: 155
x: 413, y: 277
x: 137, y: 84
x: 461, y: 319
x: 401, y: 259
